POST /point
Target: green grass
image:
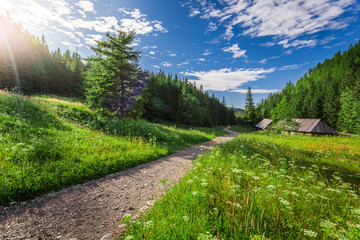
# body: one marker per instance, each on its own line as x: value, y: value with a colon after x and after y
x: 242, y: 128
x: 47, y: 144
x: 262, y: 186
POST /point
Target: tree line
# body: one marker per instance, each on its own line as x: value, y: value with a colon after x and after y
x: 27, y: 59
x: 111, y: 81
x: 330, y: 91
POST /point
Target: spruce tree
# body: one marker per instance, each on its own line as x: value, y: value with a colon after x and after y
x: 249, y: 114
x: 113, y: 80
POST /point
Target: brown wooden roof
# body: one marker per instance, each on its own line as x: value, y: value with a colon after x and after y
x: 264, y: 123
x: 313, y: 126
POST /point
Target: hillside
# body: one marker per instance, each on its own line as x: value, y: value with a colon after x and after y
x: 47, y: 143
x: 330, y: 91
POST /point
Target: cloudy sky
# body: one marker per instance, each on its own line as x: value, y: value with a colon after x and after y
x: 225, y: 45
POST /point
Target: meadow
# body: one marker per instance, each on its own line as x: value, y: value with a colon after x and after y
x: 48, y: 143
x: 262, y: 186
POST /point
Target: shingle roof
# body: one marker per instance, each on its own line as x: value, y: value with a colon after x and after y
x: 264, y: 123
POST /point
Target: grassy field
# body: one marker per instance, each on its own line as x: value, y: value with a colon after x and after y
x: 263, y: 186
x: 50, y: 143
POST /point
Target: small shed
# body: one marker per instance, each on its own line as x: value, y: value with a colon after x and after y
x: 312, y: 126
x: 264, y: 124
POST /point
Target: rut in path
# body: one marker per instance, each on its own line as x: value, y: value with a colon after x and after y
x: 94, y: 209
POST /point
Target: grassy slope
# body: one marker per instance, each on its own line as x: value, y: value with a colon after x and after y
x: 47, y: 144
x: 263, y: 186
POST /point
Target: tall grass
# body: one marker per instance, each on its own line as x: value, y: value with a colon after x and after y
x: 253, y: 188
x: 46, y: 144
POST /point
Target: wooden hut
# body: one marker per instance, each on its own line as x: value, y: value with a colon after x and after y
x: 312, y: 126
x: 263, y: 124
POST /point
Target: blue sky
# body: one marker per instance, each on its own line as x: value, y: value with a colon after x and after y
x: 225, y: 45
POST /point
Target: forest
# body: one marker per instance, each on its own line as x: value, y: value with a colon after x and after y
x: 152, y: 96
x: 330, y: 91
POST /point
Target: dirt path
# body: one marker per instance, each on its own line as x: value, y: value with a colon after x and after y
x: 94, y: 209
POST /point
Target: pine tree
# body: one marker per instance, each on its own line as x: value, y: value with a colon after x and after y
x: 113, y: 80
x: 250, y: 113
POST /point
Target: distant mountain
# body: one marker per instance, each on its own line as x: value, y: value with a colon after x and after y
x: 236, y: 110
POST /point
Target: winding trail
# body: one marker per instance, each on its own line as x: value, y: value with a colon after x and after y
x: 94, y: 209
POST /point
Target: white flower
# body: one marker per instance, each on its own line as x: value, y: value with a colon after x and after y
x: 186, y: 218
x: 129, y: 237
x: 204, y: 184
x: 194, y: 193
x: 190, y: 181
x: 310, y: 233
x: 149, y: 224
x: 271, y: 187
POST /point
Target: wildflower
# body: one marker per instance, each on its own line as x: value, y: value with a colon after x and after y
x: 211, y: 196
x: 190, y: 181
x: 235, y: 170
x: 333, y: 190
x: 310, y: 233
x: 206, y: 236
x: 271, y: 187
x: 129, y: 237
x: 237, y: 205
x: 194, y: 193
x: 149, y: 224
x: 327, y: 224
x: 204, y: 184
x: 322, y: 197
x: 322, y: 184
x: 186, y: 218
x: 285, y: 202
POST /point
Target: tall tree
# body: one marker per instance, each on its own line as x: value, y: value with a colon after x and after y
x: 114, y: 80
x: 250, y: 113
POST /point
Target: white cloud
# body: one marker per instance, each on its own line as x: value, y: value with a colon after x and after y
x: 183, y: 63
x: 172, y: 54
x: 263, y: 61
x: 166, y: 64
x: 256, y: 90
x: 151, y: 47
x: 212, y: 27
x: 194, y: 12
x: 66, y: 43
x: 227, y: 79
x: 92, y: 38
x: 283, y: 19
x: 201, y: 59
x: 152, y: 52
x: 235, y: 50
x: 156, y: 66
x: 298, y: 43
x: 289, y: 67
x: 139, y: 23
x: 86, y: 6
x: 207, y: 52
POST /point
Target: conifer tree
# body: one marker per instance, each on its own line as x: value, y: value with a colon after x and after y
x: 113, y: 80
x: 249, y: 114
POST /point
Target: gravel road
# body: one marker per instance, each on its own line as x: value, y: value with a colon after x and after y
x: 94, y: 209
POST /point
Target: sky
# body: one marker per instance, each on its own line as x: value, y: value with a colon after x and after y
x: 225, y: 45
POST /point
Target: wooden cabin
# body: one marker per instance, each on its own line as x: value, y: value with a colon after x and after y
x: 264, y: 124
x: 312, y: 127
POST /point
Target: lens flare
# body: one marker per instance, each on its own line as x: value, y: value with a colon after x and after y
x: 16, y: 73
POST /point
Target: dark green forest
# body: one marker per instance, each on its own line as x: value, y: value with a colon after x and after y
x: 330, y: 91
x: 111, y: 81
